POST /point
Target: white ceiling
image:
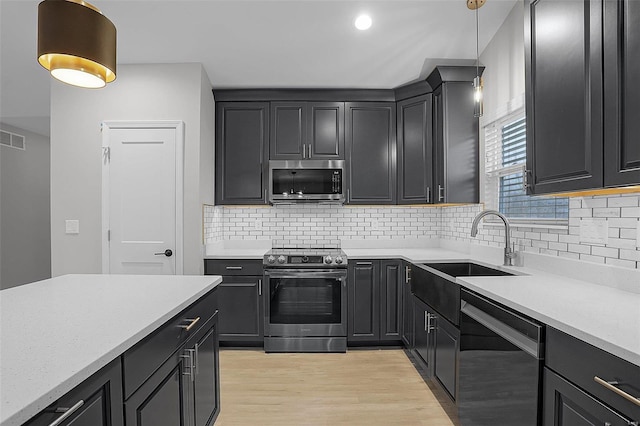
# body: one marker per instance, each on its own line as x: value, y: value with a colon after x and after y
x: 251, y: 44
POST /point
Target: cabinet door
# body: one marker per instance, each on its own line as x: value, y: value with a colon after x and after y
x: 161, y: 400
x: 407, y: 310
x: 371, y: 149
x: 95, y: 402
x: 390, y: 300
x: 206, y: 382
x: 622, y: 93
x: 415, y: 151
x: 241, y: 148
x: 423, y: 339
x: 240, y: 309
x: 363, y: 305
x: 567, y: 405
x: 456, y: 146
x: 564, y: 97
x: 288, y: 131
x: 445, y: 357
x: 325, y: 129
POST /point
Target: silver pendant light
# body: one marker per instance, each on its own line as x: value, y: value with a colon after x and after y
x: 478, y: 104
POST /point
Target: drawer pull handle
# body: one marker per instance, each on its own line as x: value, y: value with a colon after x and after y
x: 364, y: 263
x: 234, y: 268
x: 193, y: 322
x: 612, y: 388
x: 67, y: 413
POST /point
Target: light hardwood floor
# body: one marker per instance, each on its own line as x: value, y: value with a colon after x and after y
x: 361, y: 387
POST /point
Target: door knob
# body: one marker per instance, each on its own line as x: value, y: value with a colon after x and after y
x: 167, y: 253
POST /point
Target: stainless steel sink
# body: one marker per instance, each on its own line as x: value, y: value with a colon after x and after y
x: 466, y: 269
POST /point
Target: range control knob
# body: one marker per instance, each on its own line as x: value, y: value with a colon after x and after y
x: 328, y: 259
x: 281, y: 259
x: 339, y: 260
x: 271, y: 259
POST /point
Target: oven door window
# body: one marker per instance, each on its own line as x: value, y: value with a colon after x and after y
x: 305, y: 300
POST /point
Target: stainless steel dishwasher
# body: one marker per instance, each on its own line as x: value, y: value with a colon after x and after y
x: 500, y: 365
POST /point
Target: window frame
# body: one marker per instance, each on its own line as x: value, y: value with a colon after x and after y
x: 491, y: 178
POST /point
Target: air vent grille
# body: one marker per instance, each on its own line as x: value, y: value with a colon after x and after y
x: 12, y: 140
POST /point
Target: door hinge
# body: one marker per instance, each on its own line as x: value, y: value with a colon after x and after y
x: 109, y: 235
x: 106, y: 154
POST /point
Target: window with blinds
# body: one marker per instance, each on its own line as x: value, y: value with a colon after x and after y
x: 505, y: 162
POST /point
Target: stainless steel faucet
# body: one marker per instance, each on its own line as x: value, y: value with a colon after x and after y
x: 509, y: 254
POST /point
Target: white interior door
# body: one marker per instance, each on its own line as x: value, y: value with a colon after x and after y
x: 142, y: 183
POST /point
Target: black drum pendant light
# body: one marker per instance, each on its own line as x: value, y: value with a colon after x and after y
x: 76, y: 43
x: 478, y: 104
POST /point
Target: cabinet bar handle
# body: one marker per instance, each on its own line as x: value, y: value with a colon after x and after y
x: 364, y: 263
x: 194, y: 321
x: 612, y: 388
x: 67, y: 413
x: 304, y: 150
x: 440, y: 193
x: 406, y: 274
x: 233, y: 268
x: 426, y: 321
x: 428, y: 194
x: 260, y: 287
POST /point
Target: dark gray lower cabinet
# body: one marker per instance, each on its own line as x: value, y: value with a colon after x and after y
x: 185, y: 390
x: 407, y: 309
x: 567, y: 405
x: 99, y: 402
x: 423, y: 336
x: 374, y: 302
x: 445, y: 354
x: 241, y: 318
x: 371, y: 152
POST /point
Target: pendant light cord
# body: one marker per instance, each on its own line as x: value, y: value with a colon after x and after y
x: 477, y: 40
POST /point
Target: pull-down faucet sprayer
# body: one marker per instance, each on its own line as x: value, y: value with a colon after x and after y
x: 509, y: 254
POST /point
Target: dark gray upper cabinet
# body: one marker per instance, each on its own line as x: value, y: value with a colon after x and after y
x: 415, y: 150
x: 564, y: 86
x: 622, y: 93
x: 305, y: 130
x: 455, y: 136
x: 371, y: 148
x: 241, y: 152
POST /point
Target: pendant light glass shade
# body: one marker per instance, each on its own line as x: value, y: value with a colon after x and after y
x: 76, y: 43
x: 478, y: 103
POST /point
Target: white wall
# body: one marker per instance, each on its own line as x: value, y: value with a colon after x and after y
x: 25, y: 243
x: 141, y: 92
x: 207, y: 137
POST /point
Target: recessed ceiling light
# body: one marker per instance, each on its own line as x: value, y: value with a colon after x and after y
x: 363, y: 22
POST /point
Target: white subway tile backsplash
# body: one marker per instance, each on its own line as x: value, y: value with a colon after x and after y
x: 616, y: 216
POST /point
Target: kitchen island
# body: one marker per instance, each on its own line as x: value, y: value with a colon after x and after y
x: 57, y: 333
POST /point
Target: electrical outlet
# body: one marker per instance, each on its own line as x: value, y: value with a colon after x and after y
x: 72, y: 227
x: 594, y: 231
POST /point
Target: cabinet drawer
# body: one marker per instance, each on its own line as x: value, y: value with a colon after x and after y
x: 97, y: 401
x: 147, y: 355
x: 232, y: 267
x: 580, y: 362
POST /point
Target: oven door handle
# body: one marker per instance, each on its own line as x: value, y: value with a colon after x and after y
x: 508, y: 333
x: 298, y: 273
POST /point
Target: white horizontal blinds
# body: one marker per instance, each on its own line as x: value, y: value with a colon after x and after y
x: 506, y: 156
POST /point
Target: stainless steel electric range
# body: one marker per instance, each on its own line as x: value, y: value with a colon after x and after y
x: 306, y: 303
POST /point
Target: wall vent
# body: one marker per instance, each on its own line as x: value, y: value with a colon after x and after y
x: 12, y: 140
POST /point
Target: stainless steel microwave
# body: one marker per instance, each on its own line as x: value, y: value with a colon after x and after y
x: 306, y: 181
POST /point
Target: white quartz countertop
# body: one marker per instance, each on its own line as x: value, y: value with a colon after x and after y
x: 604, y: 316
x: 58, y: 332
